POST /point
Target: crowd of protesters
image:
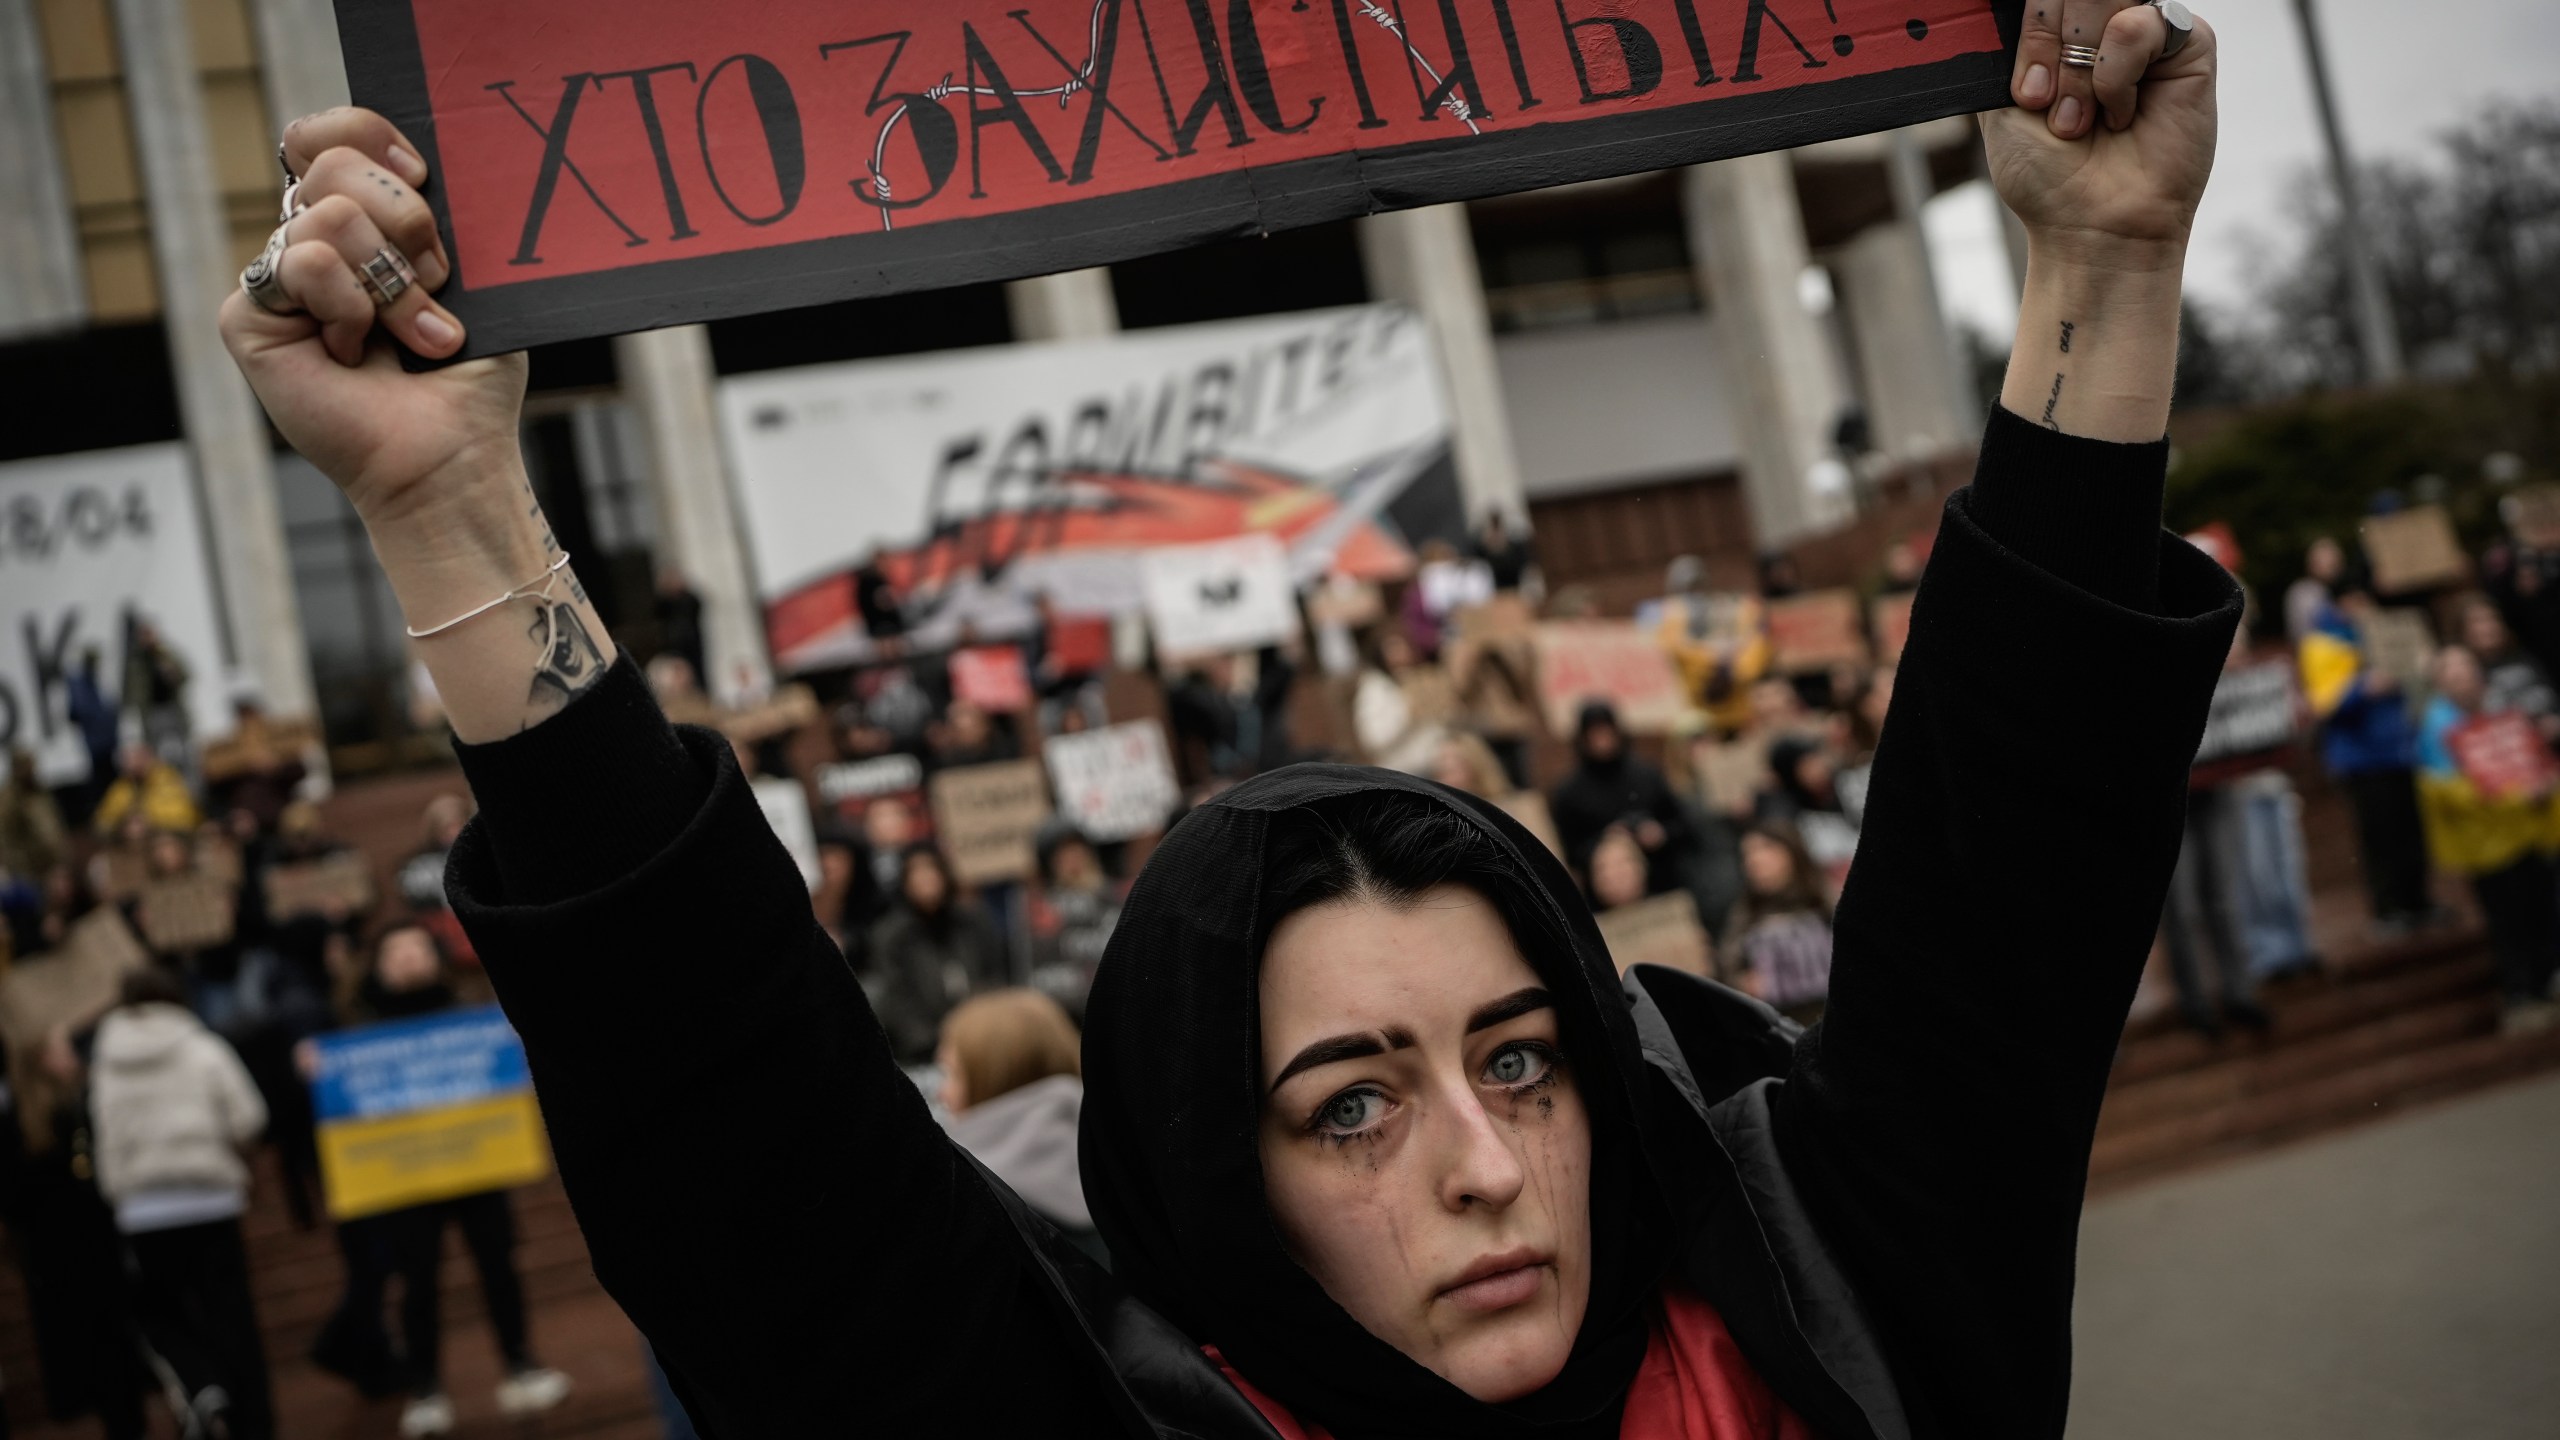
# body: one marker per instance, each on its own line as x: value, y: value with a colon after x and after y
x: 179, y: 925
x: 1731, y: 818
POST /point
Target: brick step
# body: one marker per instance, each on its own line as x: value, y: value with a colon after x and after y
x: 2307, y: 1011
x: 2267, y: 1068
x: 2420, y: 1075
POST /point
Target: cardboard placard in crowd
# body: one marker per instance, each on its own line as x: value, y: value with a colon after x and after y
x: 785, y: 710
x: 1730, y: 774
x: 338, y: 884
x: 1663, y: 930
x: 1223, y: 596
x: 68, y: 986
x: 1817, y: 630
x: 987, y: 815
x: 1341, y: 600
x: 218, y: 857
x: 1580, y: 660
x: 420, y: 1110
x: 2400, y: 644
x: 1891, y: 617
x: 2414, y: 549
x: 2253, y: 712
x: 991, y: 677
x: 822, y: 152
x: 1115, y: 783
x: 186, y: 912
x: 1530, y: 809
x: 2533, y: 513
x: 277, y: 742
x: 2503, y: 756
x: 117, y: 873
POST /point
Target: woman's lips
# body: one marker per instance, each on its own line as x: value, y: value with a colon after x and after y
x: 1498, y: 1282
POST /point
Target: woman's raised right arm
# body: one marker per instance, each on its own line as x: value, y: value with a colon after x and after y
x: 761, y: 1188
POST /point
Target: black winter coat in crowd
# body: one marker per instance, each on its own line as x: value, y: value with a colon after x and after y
x: 1883, y: 1209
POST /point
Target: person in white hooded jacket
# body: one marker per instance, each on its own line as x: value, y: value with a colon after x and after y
x: 1011, y: 1096
x: 171, y: 1109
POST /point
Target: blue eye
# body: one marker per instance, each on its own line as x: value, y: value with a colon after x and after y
x: 1350, y: 1111
x: 1521, y: 1064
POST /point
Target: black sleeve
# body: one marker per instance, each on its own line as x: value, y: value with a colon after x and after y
x: 761, y: 1188
x: 2024, y: 815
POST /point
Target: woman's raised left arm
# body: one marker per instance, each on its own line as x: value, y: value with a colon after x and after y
x: 2028, y: 795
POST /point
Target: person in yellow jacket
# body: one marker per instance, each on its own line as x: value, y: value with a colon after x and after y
x: 152, y: 787
x: 2503, y: 842
x: 1719, y: 655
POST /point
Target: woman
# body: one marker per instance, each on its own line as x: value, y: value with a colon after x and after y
x: 2503, y: 840
x: 932, y: 950
x: 1369, y: 1114
x: 1011, y: 1087
x: 1780, y: 930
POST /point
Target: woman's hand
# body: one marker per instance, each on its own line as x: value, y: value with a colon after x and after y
x: 2104, y: 166
x: 430, y: 461
x: 336, y: 391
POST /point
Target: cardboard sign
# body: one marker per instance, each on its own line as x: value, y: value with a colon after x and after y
x: 1115, y: 783
x: 118, y: 873
x: 991, y: 677
x: 986, y: 816
x: 425, y: 1109
x: 2414, y: 550
x: 1890, y: 616
x: 1661, y: 931
x: 2400, y: 644
x: 2253, y: 712
x: 786, y: 710
x: 1730, y: 774
x: 1817, y: 631
x: 1530, y: 809
x: 186, y: 912
x: 70, y: 986
x: 1225, y: 596
x: 2503, y: 756
x: 339, y: 884
x: 601, y: 168
x: 276, y: 743
x: 1610, y: 660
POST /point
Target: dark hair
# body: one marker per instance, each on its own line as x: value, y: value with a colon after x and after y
x: 1802, y: 894
x: 152, y: 985
x: 404, y: 926
x: 1390, y: 849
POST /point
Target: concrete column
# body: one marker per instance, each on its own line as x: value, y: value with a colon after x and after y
x: 298, y: 58
x: 42, y: 290
x: 1901, y: 339
x: 667, y: 380
x: 1077, y: 305
x: 1427, y: 259
x: 1746, y: 231
x: 190, y: 246
x: 1907, y: 169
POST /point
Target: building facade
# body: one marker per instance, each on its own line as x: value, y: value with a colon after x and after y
x: 1702, y: 361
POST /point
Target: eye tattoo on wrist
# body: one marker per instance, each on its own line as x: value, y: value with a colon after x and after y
x: 571, y: 662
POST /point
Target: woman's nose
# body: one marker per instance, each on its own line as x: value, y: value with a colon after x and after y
x: 1481, y: 1167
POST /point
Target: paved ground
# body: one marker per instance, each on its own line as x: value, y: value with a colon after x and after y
x: 2397, y: 1280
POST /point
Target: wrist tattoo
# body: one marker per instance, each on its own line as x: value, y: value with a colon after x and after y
x: 570, y: 662
x: 2067, y: 327
x: 2051, y: 401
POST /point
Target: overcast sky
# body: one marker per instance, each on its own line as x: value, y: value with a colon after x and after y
x: 2404, y: 72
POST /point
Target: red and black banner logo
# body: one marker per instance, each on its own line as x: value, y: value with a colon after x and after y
x: 610, y: 167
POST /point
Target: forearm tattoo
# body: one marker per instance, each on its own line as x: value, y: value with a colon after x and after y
x: 2069, y: 327
x: 570, y: 661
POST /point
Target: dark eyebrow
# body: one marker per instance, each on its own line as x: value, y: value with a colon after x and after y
x: 1344, y: 1047
x: 1510, y: 1007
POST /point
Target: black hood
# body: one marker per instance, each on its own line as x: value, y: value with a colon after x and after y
x: 1172, y: 1169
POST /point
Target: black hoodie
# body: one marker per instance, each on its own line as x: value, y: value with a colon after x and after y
x: 1883, y: 1209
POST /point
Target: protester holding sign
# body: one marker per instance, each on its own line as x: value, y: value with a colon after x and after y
x: 2492, y: 795
x: 2366, y: 740
x: 1368, y: 1110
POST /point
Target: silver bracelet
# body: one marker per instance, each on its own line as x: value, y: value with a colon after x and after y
x: 525, y: 591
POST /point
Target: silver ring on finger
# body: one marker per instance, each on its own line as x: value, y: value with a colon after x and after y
x: 2182, y: 26
x: 263, y: 280
x: 387, y: 274
x: 2080, y: 57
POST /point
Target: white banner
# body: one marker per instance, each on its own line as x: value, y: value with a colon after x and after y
x: 86, y: 542
x: 1226, y: 595
x: 981, y: 478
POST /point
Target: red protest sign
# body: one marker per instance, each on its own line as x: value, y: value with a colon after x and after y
x: 1581, y: 660
x: 612, y: 167
x: 992, y: 678
x: 1818, y: 630
x: 2503, y: 756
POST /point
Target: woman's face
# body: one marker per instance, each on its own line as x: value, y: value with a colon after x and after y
x: 1617, y: 870
x: 1766, y: 865
x: 1424, y: 1148
x: 925, y: 884
x: 407, y: 961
